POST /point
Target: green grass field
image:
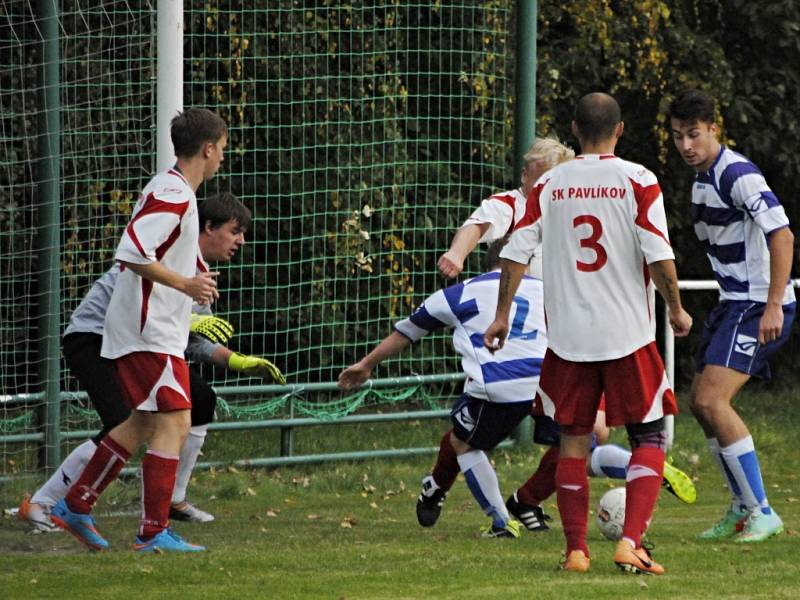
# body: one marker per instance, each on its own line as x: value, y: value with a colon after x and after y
x: 348, y: 531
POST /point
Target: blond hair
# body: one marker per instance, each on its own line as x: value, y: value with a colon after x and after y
x: 550, y: 151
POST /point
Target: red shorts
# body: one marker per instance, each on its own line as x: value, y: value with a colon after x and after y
x: 154, y: 382
x: 635, y: 386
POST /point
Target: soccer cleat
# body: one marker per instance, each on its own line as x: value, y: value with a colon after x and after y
x: 79, y: 525
x: 636, y: 560
x: 166, y: 541
x: 511, y: 530
x: 576, y: 561
x: 429, y: 503
x: 727, y: 526
x: 185, y: 511
x: 532, y: 517
x: 758, y: 527
x: 679, y: 484
x: 37, y: 516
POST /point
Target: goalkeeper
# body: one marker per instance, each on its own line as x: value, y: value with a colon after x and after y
x: 223, y: 221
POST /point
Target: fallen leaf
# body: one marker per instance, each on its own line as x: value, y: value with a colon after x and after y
x: 312, y: 517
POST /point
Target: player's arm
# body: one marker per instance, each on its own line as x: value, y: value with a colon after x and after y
x: 511, y: 274
x: 202, y: 288
x: 665, y: 278
x: 355, y: 375
x: 781, y: 249
x: 451, y: 263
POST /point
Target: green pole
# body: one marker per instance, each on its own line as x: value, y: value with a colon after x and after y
x: 48, y: 231
x: 525, y: 121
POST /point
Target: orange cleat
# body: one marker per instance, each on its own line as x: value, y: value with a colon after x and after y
x: 636, y: 560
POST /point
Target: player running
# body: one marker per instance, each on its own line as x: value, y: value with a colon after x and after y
x: 600, y: 221
x: 499, y: 387
x: 145, y: 332
x: 749, y: 244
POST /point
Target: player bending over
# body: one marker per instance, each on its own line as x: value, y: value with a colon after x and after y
x: 499, y: 387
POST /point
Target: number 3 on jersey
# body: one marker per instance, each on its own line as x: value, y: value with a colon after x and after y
x: 590, y: 242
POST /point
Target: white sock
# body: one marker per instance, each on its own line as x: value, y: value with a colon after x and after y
x: 609, y: 460
x: 68, y: 473
x: 189, y: 453
x: 733, y: 487
x: 482, y: 482
x: 741, y: 459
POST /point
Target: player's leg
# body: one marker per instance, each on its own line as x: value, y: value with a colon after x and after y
x: 525, y: 503
x: 204, y: 401
x: 96, y: 375
x: 730, y: 356
x: 638, y: 395
x: 437, y: 484
x: 171, y: 423
x: 478, y: 427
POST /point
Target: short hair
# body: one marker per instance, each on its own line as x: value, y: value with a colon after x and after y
x: 597, y: 116
x: 550, y: 151
x: 221, y: 208
x: 194, y: 127
x: 692, y: 105
x: 492, y: 258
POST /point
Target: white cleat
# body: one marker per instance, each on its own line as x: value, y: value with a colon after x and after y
x: 185, y: 511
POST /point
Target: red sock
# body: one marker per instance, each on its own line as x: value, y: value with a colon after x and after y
x: 542, y: 483
x: 103, y: 468
x: 158, y: 481
x: 446, y: 469
x: 572, y: 494
x: 645, y: 471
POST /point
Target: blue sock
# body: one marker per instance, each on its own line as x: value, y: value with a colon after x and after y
x: 740, y: 458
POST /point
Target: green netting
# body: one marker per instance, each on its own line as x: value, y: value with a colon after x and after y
x: 361, y: 135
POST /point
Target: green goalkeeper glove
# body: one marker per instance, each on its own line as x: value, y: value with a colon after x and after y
x: 212, y: 328
x: 256, y: 367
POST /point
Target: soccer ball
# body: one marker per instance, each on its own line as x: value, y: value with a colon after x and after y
x: 611, y: 513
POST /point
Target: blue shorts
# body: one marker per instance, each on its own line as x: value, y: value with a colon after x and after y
x: 730, y: 338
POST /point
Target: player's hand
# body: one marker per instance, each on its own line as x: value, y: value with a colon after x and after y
x: 212, y: 328
x: 681, y: 323
x: 353, y: 377
x: 495, y: 337
x: 450, y: 265
x: 256, y: 367
x: 771, y: 324
x: 202, y: 288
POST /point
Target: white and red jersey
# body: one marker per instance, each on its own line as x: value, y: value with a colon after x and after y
x: 502, y: 212
x: 600, y: 221
x: 142, y: 315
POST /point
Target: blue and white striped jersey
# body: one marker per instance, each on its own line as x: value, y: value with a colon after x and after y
x: 734, y: 211
x: 508, y: 375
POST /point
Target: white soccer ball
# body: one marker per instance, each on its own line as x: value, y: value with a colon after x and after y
x: 611, y: 513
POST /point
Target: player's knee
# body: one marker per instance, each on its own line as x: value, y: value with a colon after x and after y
x: 648, y: 435
x: 459, y: 446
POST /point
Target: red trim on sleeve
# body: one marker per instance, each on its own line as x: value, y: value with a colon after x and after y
x: 147, y: 289
x: 153, y: 205
x: 201, y: 266
x: 645, y: 198
x: 508, y: 200
x: 533, y: 210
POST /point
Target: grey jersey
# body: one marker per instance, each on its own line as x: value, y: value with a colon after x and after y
x: 91, y: 313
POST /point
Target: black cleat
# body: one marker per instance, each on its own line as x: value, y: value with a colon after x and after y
x: 532, y: 517
x: 429, y: 503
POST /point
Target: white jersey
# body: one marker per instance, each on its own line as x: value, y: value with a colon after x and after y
x: 142, y: 315
x: 501, y: 212
x: 733, y: 211
x: 510, y: 374
x: 600, y: 221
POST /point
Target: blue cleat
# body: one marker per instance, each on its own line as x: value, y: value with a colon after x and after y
x: 82, y: 527
x: 166, y: 541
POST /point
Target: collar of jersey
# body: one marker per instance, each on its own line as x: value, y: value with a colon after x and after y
x: 595, y: 156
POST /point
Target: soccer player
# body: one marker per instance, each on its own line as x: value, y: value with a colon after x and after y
x: 146, y: 331
x: 748, y: 241
x: 496, y: 217
x: 499, y: 387
x: 600, y: 220
x: 224, y: 222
